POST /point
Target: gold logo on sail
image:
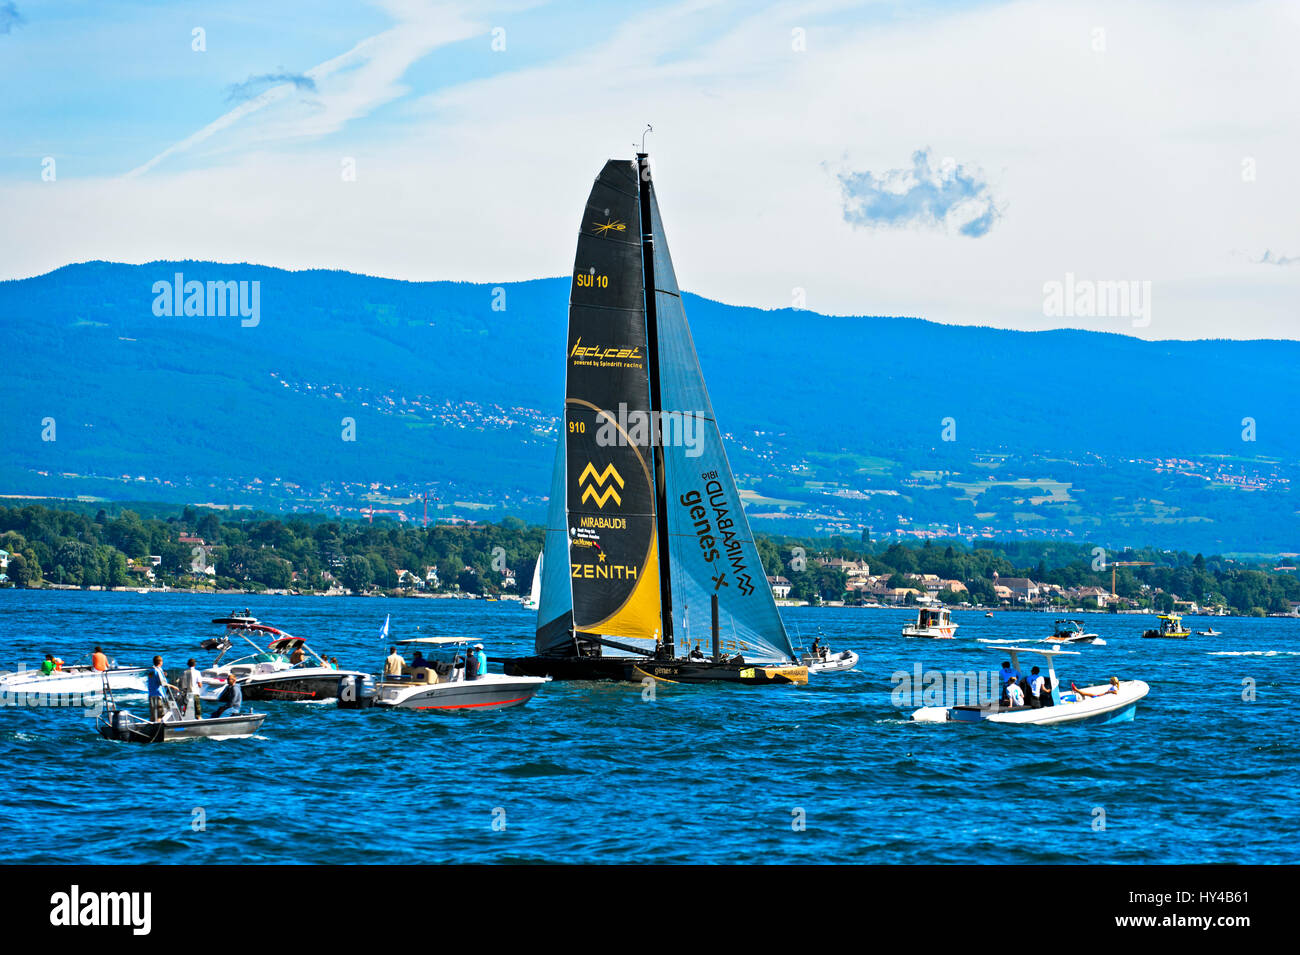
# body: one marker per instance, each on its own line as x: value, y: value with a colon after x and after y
x: 608, y: 226
x: 600, y: 480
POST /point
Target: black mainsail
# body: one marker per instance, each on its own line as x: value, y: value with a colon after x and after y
x: 660, y: 556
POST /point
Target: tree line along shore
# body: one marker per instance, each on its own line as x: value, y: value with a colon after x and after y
x: 205, y: 550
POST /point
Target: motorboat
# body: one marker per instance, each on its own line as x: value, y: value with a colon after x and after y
x: 288, y: 669
x: 933, y: 622
x: 119, y: 725
x: 1070, y: 631
x: 828, y: 661
x: 989, y: 614
x: 1171, y: 628
x: 81, y: 680
x: 1209, y: 633
x: 442, y: 684
x: 1113, y: 702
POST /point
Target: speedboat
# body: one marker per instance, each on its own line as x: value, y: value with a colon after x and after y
x: 827, y: 661
x: 1171, y: 628
x: 288, y: 669
x: 933, y: 623
x: 1114, y: 702
x: 1070, y: 631
x: 80, y: 679
x: 1209, y: 633
x: 115, y: 723
x: 442, y: 683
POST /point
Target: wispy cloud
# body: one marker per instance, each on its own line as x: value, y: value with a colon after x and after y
x: 945, y: 196
x: 1268, y: 258
x: 349, y: 86
x: 256, y: 85
x: 9, y: 16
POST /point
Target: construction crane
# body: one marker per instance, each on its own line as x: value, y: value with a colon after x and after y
x: 1124, y: 563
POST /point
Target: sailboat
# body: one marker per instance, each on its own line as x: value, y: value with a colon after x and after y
x: 649, y: 567
x: 534, y: 600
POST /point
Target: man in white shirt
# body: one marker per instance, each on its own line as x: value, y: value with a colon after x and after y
x: 394, y: 663
x: 192, y: 684
x: 1036, y: 684
x: 1015, y: 695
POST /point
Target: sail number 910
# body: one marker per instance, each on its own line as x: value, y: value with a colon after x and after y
x: 586, y: 280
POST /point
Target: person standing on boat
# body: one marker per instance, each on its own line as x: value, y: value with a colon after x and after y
x: 158, y: 687
x: 99, y: 660
x: 393, y: 663
x: 192, y: 684
x: 472, y: 661
x: 1007, y: 673
x: 1036, y: 684
x: 232, y: 697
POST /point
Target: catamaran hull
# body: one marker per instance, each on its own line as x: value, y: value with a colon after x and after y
x: 222, y: 727
x: 634, y: 670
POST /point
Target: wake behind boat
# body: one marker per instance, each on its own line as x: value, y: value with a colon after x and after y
x: 647, y: 541
x: 288, y: 669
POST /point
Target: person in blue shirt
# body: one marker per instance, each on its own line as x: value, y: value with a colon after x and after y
x: 482, y: 658
x: 1008, y: 672
x: 231, y: 697
x: 158, y: 687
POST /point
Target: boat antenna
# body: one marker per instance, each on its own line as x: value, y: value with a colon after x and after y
x: 648, y: 129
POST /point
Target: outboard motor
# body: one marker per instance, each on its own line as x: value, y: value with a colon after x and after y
x: 120, y: 719
x: 357, y: 692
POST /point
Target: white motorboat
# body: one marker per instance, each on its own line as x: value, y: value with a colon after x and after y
x: 1070, y: 631
x: 827, y: 661
x: 1114, y: 702
x: 81, y: 680
x: 442, y: 683
x: 1209, y: 633
x: 288, y: 669
x: 935, y: 623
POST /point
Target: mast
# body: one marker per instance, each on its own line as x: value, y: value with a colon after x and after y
x: 656, y: 407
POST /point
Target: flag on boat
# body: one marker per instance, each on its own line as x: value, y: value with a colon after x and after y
x: 383, y: 631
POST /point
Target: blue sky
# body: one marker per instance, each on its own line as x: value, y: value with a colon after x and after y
x: 945, y: 160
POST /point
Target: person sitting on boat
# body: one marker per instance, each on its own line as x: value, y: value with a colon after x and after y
x: 1015, y: 695
x: 99, y: 660
x: 696, y: 653
x: 1113, y: 688
x: 47, y: 665
x: 157, y: 687
x: 393, y: 663
x: 817, y: 647
x: 418, y: 661
x: 232, y: 697
x: 298, y: 657
x: 334, y: 663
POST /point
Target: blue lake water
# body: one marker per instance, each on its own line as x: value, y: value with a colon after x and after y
x: 592, y: 772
